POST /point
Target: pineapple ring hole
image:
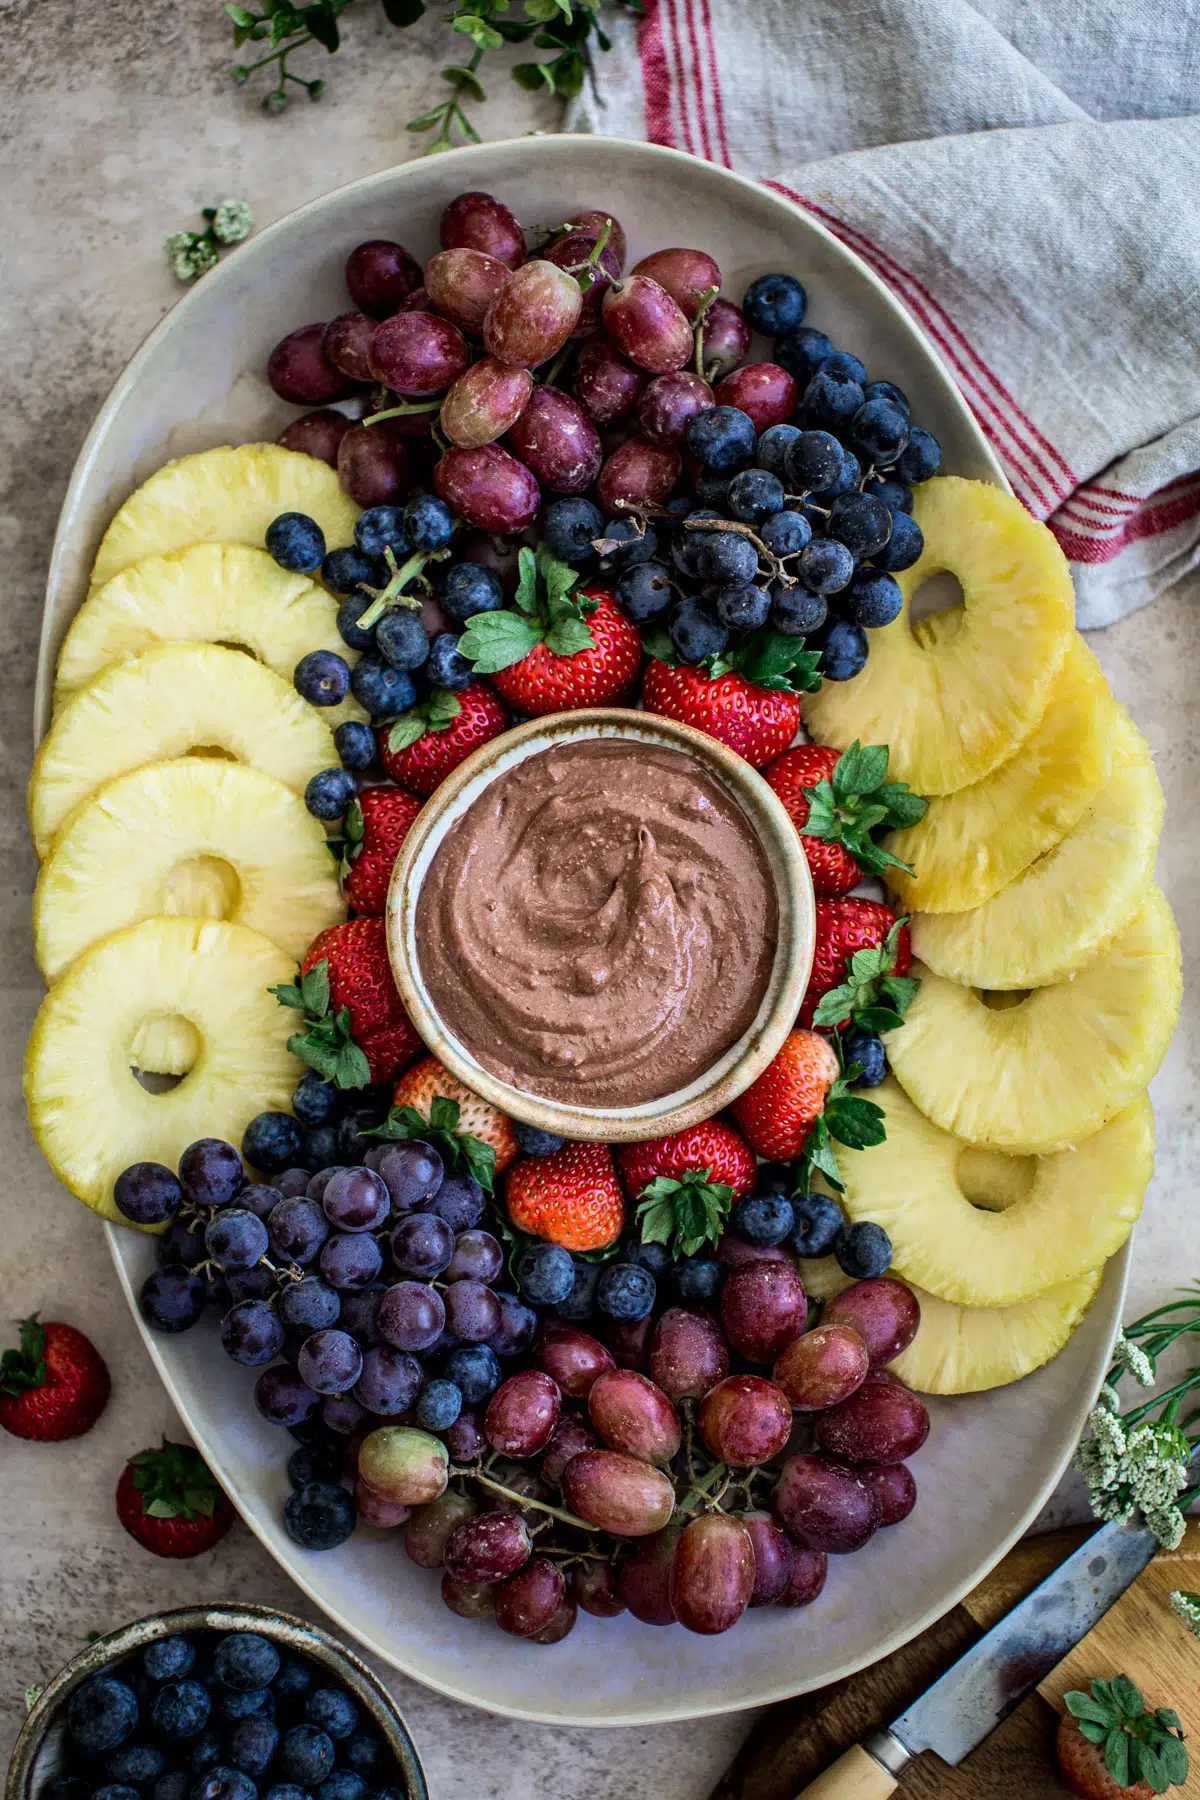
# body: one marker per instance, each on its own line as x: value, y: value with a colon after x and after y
x: 202, y: 887
x: 217, y: 751
x: 941, y: 596
x: 1003, y: 999
x: 186, y: 1045
x: 991, y: 1181
x: 242, y: 649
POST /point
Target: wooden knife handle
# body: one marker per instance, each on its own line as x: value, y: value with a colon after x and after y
x: 854, y: 1776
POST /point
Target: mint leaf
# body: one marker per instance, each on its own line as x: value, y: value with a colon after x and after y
x: 1127, y: 1697
x: 769, y: 659
x: 859, y: 770
x: 859, y: 1124
x: 1094, y: 1732
x: 525, y: 598
x: 406, y: 732
x: 444, y: 1114
x: 1116, y: 1756
x: 904, y: 807
x: 497, y: 640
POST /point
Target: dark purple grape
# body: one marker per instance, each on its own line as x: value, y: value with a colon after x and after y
x: 570, y: 1438
x: 257, y: 1283
x: 373, y: 465
x: 629, y: 1341
x: 148, y: 1194
x: 412, y: 1173
x: 330, y: 1362
x: 606, y: 386
x: 594, y: 1585
x: 236, y: 1238
x: 477, y: 1257
x: 360, y: 1313
x: 809, y: 1569
x: 380, y: 275
x: 316, y: 434
x: 724, y: 340
x: 283, y: 1397
x: 460, y: 284
x: 422, y: 1244
x: 465, y: 1439
x: 772, y: 1557
x: 390, y: 1381
x: 297, y: 1229
x: 347, y: 344
x: 472, y: 1311
x: 687, y: 275
x: 264, y: 1197
x: 299, y: 370
x: 647, y: 325
x: 884, y: 1313
x: 418, y: 354
x: 310, y: 1303
x: 341, y: 1413
x: 211, y: 1172
x: 591, y: 221
x: 485, y: 402
x: 459, y: 1201
x: 712, y: 1576
x: 644, y: 1580
x: 411, y: 1316
x: 318, y: 1182
x: 350, y: 1262
x: 529, y: 1599
x: 430, y: 1527
x: 881, y: 1423
x: 172, y: 1298
x: 745, y: 1419
x: 488, y: 488
x: 252, y: 1333
x: 824, y: 1505
x: 356, y: 1200
x: 638, y: 474
x: 762, y: 1309
x: 490, y: 1547
x: 478, y: 221
x: 668, y: 406
x: 522, y: 1414
x: 531, y: 316
x: 573, y: 1359
x: 517, y: 1328
x: 688, y: 1354
x: 557, y: 440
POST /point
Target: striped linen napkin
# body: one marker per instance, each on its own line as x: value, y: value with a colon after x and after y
x: 1025, y: 177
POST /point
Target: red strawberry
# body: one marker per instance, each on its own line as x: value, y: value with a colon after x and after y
x: 778, y: 1111
x: 55, y: 1386
x: 844, y: 927
x: 1084, y: 1770
x: 602, y: 675
x: 756, y: 722
x: 419, y: 1086
x: 686, y: 1183
x: 377, y: 823
x: 424, y: 744
x: 170, y: 1502
x: 833, y: 869
x: 836, y: 801
x: 571, y: 1197
x: 355, y: 1029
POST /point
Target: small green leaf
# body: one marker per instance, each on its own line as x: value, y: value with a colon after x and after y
x: 496, y: 640
x: 859, y: 1124
x: 444, y: 1114
x: 1168, y: 1718
x: 323, y: 26
x: 525, y: 598
x: 1127, y: 1697
x: 465, y: 79
x: 532, y: 77
x: 904, y: 807
x: 442, y: 709
x: 483, y: 35
x: 351, y: 1070
x: 859, y: 770
x: 426, y: 122
x: 541, y: 10
x: 1082, y: 1706
x: 1094, y: 1732
x: 160, y: 1509
x: 240, y: 16
x: 1174, y: 1758
x: 315, y: 988
x: 568, y: 637
x: 409, y: 729
x: 1116, y: 1756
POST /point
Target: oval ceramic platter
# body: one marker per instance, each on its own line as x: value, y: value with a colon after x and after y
x: 991, y: 1459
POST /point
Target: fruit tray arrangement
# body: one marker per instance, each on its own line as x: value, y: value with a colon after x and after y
x: 670, y: 1378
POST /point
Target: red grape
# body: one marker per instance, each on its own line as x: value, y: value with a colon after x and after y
x: 618, y: 1493
x: 477, y: 221
x: 531, y: 317
x: 380, y: 275
x: 687, y: 275
x: 594, y: 1585
x: 572, y: 1358
x: 529, y: 1599
x: 316, y: 434
x: 638, y: 474
x: 469, y: 1599
x: 646, y: 324
x: 465, y: 1439
x: 809, y: 1569
x: 882, y: 1423
x: 772, y: 1557
x: 688, y: 1354
x: 571, y: 1437
x: 712, y: 1577
x: 764, y: 391
x: 606, y: 386
x: 735, y: 1253
x: 522, y: 1413
x: 557, y: 440
x: 417, y: 301
x: 745, y: 1419
x: 417, y: 354
x: 633, y: 1415
x: 490, y: 1547
x: 347, y: 344
x: 376, y: 1509
x: 762, y: 1309
x: 559, y: 1626
x: 822, y: 1367
x: 724, y: 339
x: 644, y: 1579
x: 429, y: 1528
x: 895, y: 1489
x: 299, y: 370
x: 824, y: 1505
x: 403, y: 1464
x: 884, y: 1313
x: 629, y: 1342
x: 571, y: 253
x: 484, y: 403
x: 488, y: 488
x: 460, y: 284
x: 373, y: 465
x: 669, y: 405
x: 591, y: 222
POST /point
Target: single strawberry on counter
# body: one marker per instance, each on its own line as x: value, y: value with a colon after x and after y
x: 169, y: 1500
x: 779, y: 1109
x: 356, y: 1030
x: 422, y: 746
x: 571, y: 1197
x: 377, y: 823
x: 55, y: 1386
x: 685, y: 1184
x: 1111, y: 1746
x: 845, y: 929
x: 757, y: 722
x: 836, y: 800
x: 421, y: 1087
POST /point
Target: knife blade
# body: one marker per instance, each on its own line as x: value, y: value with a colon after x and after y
x: 993, y: 1677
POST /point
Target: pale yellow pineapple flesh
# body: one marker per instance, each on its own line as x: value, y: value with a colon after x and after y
x: 171, y: 701
x: 1048, y: 1071
x: 966, y: 1236
x: 1069, y: 904
x: 223, y: 496
x: 970, y: 844
x: 90, y: 1115
x: 952, y: 705
x: 196, y: 836
x: 968, y: 1349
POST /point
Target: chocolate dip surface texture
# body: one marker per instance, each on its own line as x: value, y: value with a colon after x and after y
x: 600, y: 925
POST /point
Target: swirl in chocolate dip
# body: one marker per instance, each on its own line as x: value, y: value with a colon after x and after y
x: 600, y: 925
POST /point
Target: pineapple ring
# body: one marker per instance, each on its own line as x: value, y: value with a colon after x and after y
x: 208, y: 593
x: 952, y: 705
x: 968, y: 1349
x: 88, y: 1112
x: 133, y: 850
x: 168, y: 702
x: 223, y: 496
x: 1078, y: 1210
x: 1072, y: 902
x: 970, y: 844
x: 1049, y: 1071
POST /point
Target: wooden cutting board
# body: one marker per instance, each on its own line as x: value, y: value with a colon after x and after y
x: 1140, y: 1637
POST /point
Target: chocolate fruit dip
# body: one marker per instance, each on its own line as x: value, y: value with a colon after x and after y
x: 600, y: 925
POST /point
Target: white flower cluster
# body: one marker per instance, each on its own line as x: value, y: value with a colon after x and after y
x: 1132, y: 1360
x: 232, y: 222
x: 1143, y: 1470
x: 1186, y: 1606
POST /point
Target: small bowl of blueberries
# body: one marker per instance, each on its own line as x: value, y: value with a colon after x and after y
x: 215, y: 1703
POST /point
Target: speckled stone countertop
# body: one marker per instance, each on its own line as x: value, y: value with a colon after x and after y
x: 120, y: 124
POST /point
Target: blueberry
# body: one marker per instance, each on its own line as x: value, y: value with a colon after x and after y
x: 352, y: 1144
x: 355, y: 744
x: 255, y: 1703
x: 333, y: 1710
x: 773, y: 447
x: 174, y: 1785
x: 896, y: 495
x: 830, y: 400
x: 826, y: 566
x: 743, y: 608
x: 172, y: 1298
x: 879, y: 431
x: 470, y: 588
x: 252, y: 1333
x: 633, y: 542
x: 685, y: 550
x: 135, y: 1762
x: 903, y: 548
x: 447, y: 667
x: 819, y: 1219
x: 795, y: 611
x: 206, y: 1752
x: 474, y: 1370
x: 343, y: 1784
x: 115, y: 1790
x: 439, y: 1404
x: 887, y: 390
x: 655, y: 1257
x: 286, y: 1790
x: 223, y: 1783
x: 786, y: 533
x: 381, y: 689
x: 318, y: 1517
x: 252, y: 1744
x: 570, y: 527
x: 545, y: 1273
x: 400, y: 638
x: 517, y: 1328
x: 775, y: 304
x: 329, y: 793
x: 843, y: 366
x: 722, y: 437
x: 272, y: 1141
x: 314, y: 1100
x: 536, y: 1142
x: 861, y: 522
x: 698, y: 1279
x: 921, y: 457
x: 755, y: 494
x: 294, y: 1679
x: 866, y: 1049
x: 626, y: 1292
x: 846, y: 481
x: 313, y: 1462
x: 580, y: 1303
x: 645, y: 591
x: 381, y: 528
x: 872, y: 600
x: 712, y: 489
x: 726, y: 558
x: 352, y: 634
x: 762, y: 1219
x: 863, y: 1250
x: 428, y: 523
x: 363, y: 1752
x: 180, y: 1709
x: 167, y: 1658
x: 322, y: 678
x: 310, y: 1303
x: 147, y: 1193
x: 814, y: 461
x: 211, y: 1172
x: 801, y: 353
x: 695, y: 632
x: 67, y: 1787
x: 844, y: 651
x: 296, y: 542
x: 343, y: 571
